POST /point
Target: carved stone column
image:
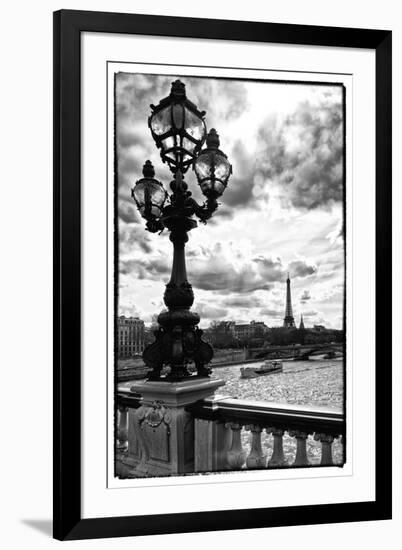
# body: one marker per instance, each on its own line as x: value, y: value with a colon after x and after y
x: 256, y: 458
x: 301, y: 450
x: 236, y: 455
x: 278, y: 458
x: 326, y: 448
x: 164, y: 429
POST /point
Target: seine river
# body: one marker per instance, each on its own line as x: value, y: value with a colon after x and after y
x: 314, y: 382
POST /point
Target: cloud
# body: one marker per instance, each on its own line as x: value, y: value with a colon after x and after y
x: 299, y: 268
x: 241, y: 183
x: 223, y: 213
x: 146, y: 268
x: 223, y: 99
x: 210, y: 311
x: 226, y: 269
x: 337, y: 235
x: 243, y: 302
x: 128, y: 212
x: 302, y: 155
x: 133, y: 239
x: 299, y: 154
x: 129, y: 310
x: 226, y: 278
x: 305, y: 297
x: 271, y: 312
x: 310, y: 313
x: 334, y: 295
x: 271, y: 269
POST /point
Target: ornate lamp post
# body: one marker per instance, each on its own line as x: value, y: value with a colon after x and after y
x: 179, y: 131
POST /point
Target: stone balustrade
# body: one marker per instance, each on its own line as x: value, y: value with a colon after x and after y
x: 232, y: 434
x: 249, y: 423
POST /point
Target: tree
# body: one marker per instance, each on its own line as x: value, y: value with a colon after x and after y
x: 282, y: 336
x: 220, y: 334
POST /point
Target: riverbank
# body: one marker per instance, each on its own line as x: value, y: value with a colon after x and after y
x: 221, y: 357
x: 234, y: 363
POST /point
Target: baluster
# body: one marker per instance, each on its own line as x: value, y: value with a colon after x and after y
x: 277, y: 458
x: 326, y: 448
x: 236, y: 455
x: 224, y: 442
x: 122, y: 429
x: 301, y: 450
x: 256, y: 458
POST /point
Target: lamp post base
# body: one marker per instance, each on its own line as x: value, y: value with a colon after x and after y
x: 162, y: 430
x: 178, y: 348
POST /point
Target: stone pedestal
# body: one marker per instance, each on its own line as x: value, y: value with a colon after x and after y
x: 162, y: 430
x: 212, y: 443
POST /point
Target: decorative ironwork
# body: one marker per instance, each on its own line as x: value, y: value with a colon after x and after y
x: 179, y: 131
x: 178, y: 128
x: 212, y: 167
x: 149, y: 194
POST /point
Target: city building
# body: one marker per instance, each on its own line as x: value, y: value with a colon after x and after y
x: 288, y: 321
x: 319, y: 328
x: 255, y: 329
x: 130, y: 336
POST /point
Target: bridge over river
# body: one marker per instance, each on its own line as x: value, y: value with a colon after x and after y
x: 252, y: 355
x: 299, y: 352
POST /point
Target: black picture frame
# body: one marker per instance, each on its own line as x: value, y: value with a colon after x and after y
x: 68, y: 26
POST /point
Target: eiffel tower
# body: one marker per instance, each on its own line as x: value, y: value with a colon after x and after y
x: 288, y: 321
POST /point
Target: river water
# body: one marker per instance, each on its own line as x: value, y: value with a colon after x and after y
x: 315, y: 382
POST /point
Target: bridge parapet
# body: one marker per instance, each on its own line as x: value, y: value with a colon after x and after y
x: 294, y: 351
x: 232, y: 434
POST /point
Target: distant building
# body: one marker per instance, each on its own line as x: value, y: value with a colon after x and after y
x: 288, y: 321
x: 130, y: 336
x: 255, y: 329
x: 319, y: 328
x: 228, y: 327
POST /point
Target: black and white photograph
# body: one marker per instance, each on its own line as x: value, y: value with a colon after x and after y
x: 229, y: 274
x: 202, y: 275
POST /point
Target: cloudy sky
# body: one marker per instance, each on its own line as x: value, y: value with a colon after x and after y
x: 282, y: 210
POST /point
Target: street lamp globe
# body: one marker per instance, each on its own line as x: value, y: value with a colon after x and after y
x: 149, y: 194
x: 178, y: 128
x: 212, y: 168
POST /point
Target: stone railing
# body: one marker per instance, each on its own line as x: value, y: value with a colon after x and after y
x: 230, y: 432
x: 221, y: 433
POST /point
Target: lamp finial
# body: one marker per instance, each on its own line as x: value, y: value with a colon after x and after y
x: 213, y: 139
x: 178, y: 90
x: 148, y: 170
